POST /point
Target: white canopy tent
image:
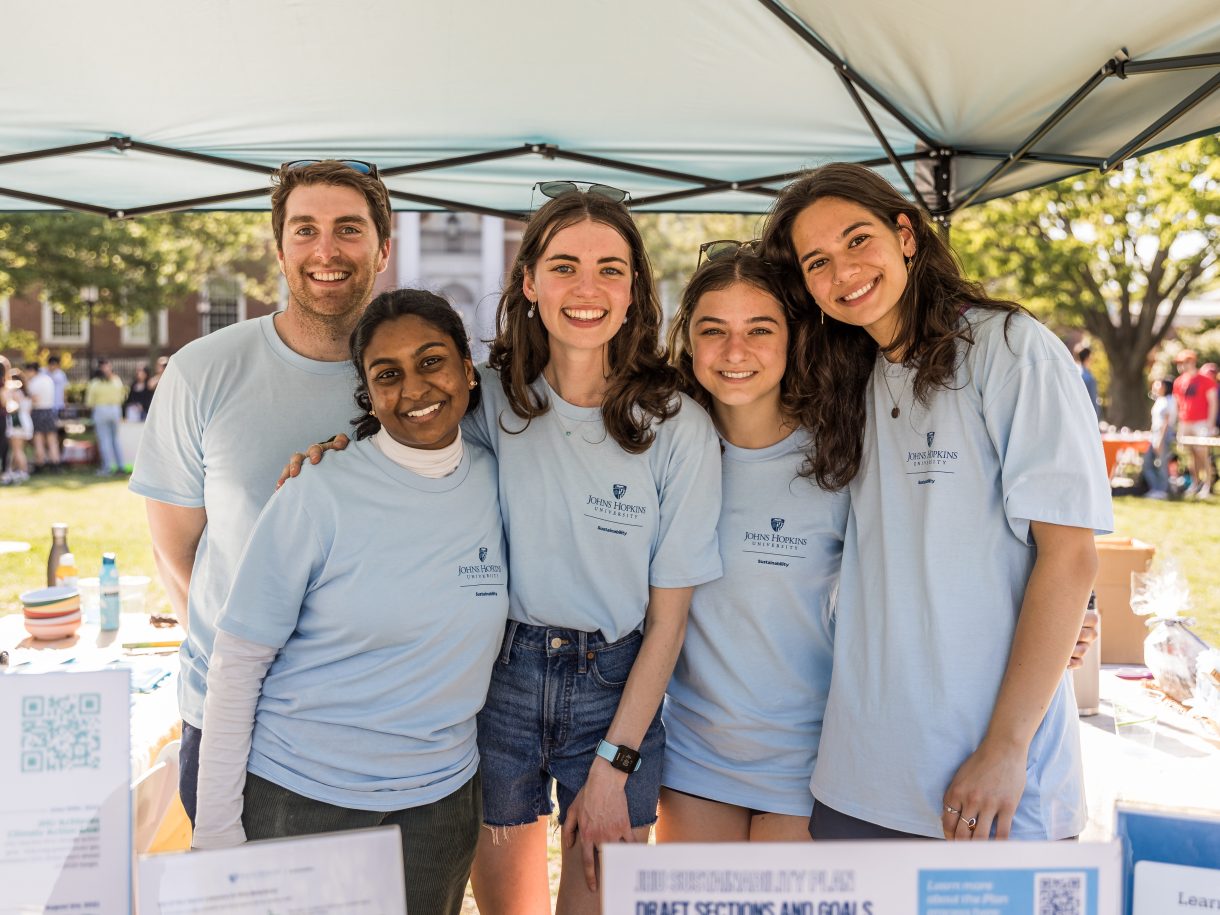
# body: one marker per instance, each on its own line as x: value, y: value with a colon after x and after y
x: 140, y: 106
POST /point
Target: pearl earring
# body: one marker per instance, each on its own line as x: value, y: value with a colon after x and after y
x: 533, y: 308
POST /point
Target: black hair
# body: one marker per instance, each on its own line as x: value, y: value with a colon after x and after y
x: 402, y: 303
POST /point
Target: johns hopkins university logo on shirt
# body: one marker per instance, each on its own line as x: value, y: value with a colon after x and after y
x: 773, y: 543
x: 481, y: 574
x: 931, y: 461
x: 614, y: 511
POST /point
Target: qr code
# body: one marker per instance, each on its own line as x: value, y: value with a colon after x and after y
x: 61, y: 732
x: 1060, y: 894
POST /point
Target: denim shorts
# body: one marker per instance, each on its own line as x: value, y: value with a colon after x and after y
x: 552, y: 697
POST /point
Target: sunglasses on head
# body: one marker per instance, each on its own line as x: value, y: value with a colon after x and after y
x: 724, y: 247
x: 555, y: 189
x: 356, y: 165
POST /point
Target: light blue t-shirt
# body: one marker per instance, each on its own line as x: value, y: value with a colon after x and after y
x: 743, y: 712
x: 386, y: 595
x: 591, y: 526
x: 935, y: 564
x: 229, y: 411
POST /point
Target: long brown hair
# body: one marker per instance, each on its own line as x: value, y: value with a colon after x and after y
x: 742, y: 266
x: 642, y: 388
x: 837, y: 360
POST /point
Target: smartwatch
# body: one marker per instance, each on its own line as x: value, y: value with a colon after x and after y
x: 624, y: 759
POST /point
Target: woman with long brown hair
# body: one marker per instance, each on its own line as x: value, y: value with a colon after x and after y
x: 959, y: 426
x: 610, y: 489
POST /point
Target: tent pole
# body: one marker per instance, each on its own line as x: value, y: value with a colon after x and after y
x: 803, y: 32
x: 1161, y: 123
x: 1108, y: 69
x: 885, y: 144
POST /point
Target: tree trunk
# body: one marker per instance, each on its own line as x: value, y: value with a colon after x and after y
x: 1129, y: 404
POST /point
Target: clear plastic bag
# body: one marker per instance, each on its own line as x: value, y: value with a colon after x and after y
x: 1171, y: 652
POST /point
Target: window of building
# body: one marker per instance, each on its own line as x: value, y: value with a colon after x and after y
x: 221, y: 303
x: 133, y: 330
x: 60, y: 327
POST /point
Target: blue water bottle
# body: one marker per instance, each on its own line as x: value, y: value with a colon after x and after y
x: 108, y: 584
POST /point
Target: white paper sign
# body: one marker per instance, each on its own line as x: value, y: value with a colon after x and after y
x: 862, y: 878
x: 337, y: 873
x: 1175, y: 887
x: 65, y: 792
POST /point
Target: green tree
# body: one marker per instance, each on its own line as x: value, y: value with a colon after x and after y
x: 139, y: 266
x: 673, y: 240
x: 1105, y: 252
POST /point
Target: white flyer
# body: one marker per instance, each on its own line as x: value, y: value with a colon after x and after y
x: 356, y: 872
x: 65, y: 792
x: 863, y: 878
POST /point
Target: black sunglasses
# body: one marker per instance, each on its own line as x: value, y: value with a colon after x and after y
x: 555, y: 189
x: 724, y: 247
x: 356, y: 165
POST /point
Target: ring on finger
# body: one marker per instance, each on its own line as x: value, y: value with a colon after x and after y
x: 953, y: 810
x: 971, y: 822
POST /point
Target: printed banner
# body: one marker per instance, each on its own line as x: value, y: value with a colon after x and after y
x: 65, y: 792
x: 863, y: 878
x: 358, y: 872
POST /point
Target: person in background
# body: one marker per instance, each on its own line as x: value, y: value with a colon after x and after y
x: 21, y: 428
x: 60, y: 379
x: 1083, y: 354
x: 139, y: 396
x: 6, y: 420
x: 155, y: 379
x: 1196, y: 397
x: 104, y: 396
x: 1164, y: 427
x: 40, y: 387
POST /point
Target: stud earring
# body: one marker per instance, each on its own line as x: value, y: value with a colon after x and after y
x: 472, y: 384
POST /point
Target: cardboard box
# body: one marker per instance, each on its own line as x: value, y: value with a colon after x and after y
x: 1122, y: 631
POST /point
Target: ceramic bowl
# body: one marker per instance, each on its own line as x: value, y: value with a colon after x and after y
x: 51, y: 611
x: 52, y: 631
x: 41, y: 597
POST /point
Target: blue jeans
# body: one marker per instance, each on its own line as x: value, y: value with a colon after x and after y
x: 106, y: 426
x: 1156, y: 466
x: 552, y: 697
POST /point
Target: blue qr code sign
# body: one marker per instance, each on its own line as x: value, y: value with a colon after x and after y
x: 1060, y: 893
x: 61, y: 732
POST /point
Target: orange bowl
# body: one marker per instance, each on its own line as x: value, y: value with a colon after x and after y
x: 50, y: 632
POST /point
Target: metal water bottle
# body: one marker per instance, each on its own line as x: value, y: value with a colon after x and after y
x: 108, y: 584
x: 59, y: 546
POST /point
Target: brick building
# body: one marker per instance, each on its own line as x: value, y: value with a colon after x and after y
x: 462, y: 256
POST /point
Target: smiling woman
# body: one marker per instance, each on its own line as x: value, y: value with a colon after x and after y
x: 340, y: 698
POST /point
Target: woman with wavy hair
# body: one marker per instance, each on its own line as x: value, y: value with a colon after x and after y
x: 610, y: 490
x: 744, y: 708
x: 960, y: 429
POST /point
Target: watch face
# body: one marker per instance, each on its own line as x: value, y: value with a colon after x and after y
x: 626, y: 759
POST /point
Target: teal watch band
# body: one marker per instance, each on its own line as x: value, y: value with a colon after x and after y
x: 624, y: 759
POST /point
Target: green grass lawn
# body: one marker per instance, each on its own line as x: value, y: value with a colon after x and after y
x: 102, y: 517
